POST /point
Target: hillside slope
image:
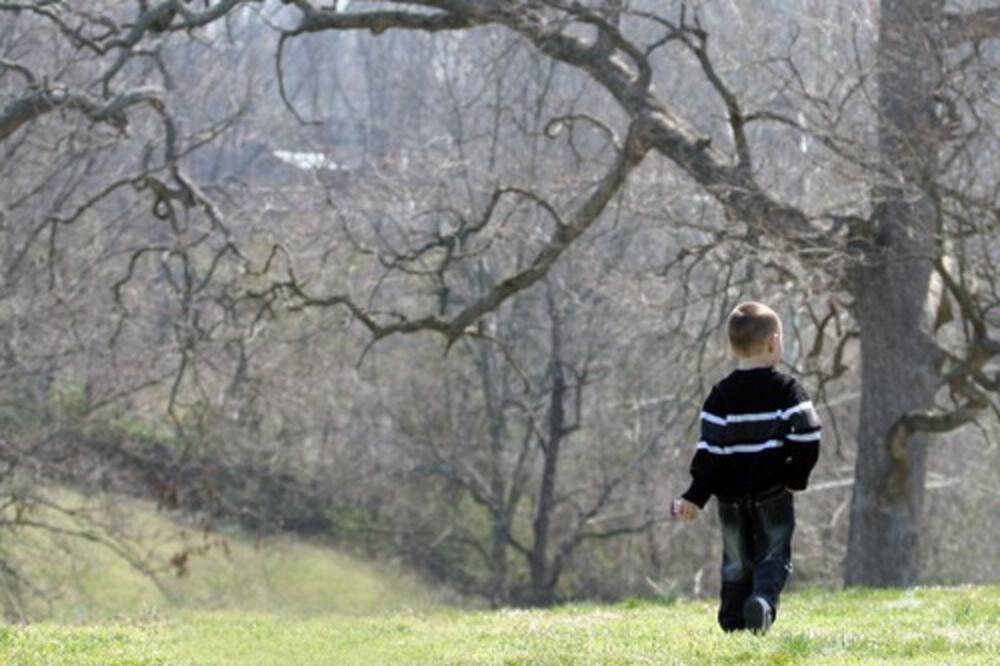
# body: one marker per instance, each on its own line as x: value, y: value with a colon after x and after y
x: 98, y: 558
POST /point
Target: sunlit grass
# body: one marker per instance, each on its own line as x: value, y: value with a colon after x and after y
x: 244, y: 601
x: 924, y: 626
x: 84, y: 580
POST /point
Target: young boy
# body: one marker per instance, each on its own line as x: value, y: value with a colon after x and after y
x: 759, y: 441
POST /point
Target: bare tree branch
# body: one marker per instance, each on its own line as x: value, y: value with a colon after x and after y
x: 452, y: 329
x: 974, y: 26
x: 377, y: 22
x: 38, y: 103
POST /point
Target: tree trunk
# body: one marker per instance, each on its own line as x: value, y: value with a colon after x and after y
x: 499, y: 511
x: 542, y: 580
x: 898, y: 374
x: 899, y: 360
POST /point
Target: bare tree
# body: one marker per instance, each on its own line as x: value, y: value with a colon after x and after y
x: 918, y: 235
x: 891, y: 253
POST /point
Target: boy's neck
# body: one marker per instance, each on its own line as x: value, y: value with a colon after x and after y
x: 754, y: 363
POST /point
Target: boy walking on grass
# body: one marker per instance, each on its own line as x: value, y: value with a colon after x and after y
x: 759, y: 440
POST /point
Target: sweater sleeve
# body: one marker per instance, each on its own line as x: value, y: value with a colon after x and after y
x: 704, y: 465
x: 802, y: 437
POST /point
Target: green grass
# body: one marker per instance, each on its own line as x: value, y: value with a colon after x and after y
x: 249, y: 602
x: 923, y: 626
x: 85, y: 581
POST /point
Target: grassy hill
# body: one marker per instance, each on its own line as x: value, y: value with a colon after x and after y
x: 79, y: 553
x: 247, y: 602
x: 923, y: 626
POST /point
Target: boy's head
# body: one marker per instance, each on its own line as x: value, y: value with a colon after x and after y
x: 755, y: 332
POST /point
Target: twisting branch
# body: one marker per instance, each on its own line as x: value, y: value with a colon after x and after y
x: 318, y: 20
x: 19, y: 68
x: 731, y: 184
x: 37, y: 103
x: 635, y: 148
x: 988, y: 346
x: 699, y: 46
x: 926, y: 421
x: 377, y: 22
x: 610, y: 35
x: 967, y: 380
x: 695, y: 39
x: 729, y: 181
x: 453, y: 241
x: 555, y: 125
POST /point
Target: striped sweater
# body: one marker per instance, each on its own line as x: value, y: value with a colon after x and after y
x: 758, y: 430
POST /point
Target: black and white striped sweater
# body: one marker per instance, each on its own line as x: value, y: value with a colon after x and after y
x: 758, y: 430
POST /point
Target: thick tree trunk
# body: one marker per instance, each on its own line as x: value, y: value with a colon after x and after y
x: 898, y: 374
x: 899, y: 366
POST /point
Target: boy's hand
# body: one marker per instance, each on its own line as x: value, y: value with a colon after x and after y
x: 684, y: 511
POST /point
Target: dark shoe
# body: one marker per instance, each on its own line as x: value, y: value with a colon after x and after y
x: 758, y: 615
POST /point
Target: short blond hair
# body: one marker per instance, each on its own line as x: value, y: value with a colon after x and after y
x: 750, y: 325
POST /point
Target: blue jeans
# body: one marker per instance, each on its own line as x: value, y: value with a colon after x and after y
x: 756, y: 551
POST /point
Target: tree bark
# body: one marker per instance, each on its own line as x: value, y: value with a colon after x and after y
x: 899, y: 360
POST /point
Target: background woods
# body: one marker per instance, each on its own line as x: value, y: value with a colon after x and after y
x: 443, y: 281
